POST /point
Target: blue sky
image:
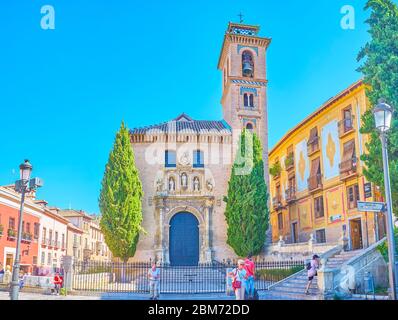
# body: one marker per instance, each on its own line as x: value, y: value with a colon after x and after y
x: 64, y: 92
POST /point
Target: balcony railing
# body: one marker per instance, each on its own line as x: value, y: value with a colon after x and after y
x: 315, y: 182
x: 57, y: 244
x: 277, y: 202
x: 346, y: 125
x: 313, y: 146
x: 348, y: 168
x: 75, y: 244
x: 27, y: 237
x: 12, y: 233
x: 290, y: 194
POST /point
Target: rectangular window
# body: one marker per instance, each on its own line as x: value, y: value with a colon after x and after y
x: 11, y: 223
x: 36, y: 230
x: 50, y: 235
x: 27, y: 227
x: 170, y: 159
x: 198, y: 161
x: 318, y: 206
x: 49, y: 258
x: 280, y: 221
x: 56, y: 238
x: 35, y: 260
x: 352, y: 196
x: 320, y: 236
x: 63, y: 240
x: 43, y: 258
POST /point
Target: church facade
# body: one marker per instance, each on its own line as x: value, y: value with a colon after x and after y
x: 185, y: 164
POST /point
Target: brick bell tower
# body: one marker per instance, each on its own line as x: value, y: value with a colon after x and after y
x: 244, y: 83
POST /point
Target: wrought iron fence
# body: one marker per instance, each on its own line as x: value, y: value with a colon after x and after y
x: 95, y: 276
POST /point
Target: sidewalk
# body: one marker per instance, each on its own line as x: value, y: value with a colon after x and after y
x: 117, y: 296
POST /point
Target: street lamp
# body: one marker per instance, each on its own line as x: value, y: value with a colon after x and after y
x: 383, y: 116
x: 25, y: 184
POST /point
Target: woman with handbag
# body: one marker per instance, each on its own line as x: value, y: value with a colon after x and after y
x: 239, y: 276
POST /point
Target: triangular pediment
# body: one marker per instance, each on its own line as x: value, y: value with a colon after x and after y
x: 183, y: 117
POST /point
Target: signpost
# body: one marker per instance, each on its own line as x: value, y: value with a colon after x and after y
x: 367, y: 190
x: 371, y: 206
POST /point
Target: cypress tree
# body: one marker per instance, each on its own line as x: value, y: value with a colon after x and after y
x: 380, y: 70
x: 120, y: 199
x: 246, y: 203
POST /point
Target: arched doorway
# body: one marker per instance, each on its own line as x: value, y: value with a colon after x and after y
x: 184, y: 240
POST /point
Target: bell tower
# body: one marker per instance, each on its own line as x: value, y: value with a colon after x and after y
x: 244, y: 82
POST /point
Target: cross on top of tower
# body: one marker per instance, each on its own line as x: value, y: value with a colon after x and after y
x: 240, y: 15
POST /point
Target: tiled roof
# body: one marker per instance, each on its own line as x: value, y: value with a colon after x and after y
x: 184, y: 123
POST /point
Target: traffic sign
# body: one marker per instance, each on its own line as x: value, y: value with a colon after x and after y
x: 371, y: 206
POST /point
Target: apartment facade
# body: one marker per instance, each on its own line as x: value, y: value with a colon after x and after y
x: 53, y: 237
x: 9, y: 213
x: 89, y: 244
x: 316, y: 177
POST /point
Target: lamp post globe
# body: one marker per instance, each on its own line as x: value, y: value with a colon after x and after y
x: 25, y: 169
x: 383, y: 115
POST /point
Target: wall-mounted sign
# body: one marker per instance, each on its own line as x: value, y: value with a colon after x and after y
x: 335, y: 218
x: 371, y: 206
x: 367, y: 190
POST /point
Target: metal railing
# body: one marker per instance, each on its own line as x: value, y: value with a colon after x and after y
x: 290, y: 193
x: 313, y: 146
x: 96, y: 276
x: 348, y: 166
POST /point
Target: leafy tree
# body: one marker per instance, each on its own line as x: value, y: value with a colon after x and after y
x: 120, y: 199
x: 380, y: 70
x: 246, y: 210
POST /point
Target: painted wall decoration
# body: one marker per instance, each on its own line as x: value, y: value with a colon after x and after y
x: 305, y: 214
x: 302, y: 166
x: 330, y: 150
x: 335, y: 209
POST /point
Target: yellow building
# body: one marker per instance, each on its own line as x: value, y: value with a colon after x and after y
x: 316, y: 177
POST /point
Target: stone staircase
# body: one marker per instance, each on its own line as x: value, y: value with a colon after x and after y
x: 293, y: 287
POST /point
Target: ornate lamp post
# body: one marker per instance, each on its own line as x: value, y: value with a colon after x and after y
x: 25, y: 184
x: 383, y: 116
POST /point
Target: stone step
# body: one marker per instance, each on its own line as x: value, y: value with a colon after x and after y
x: 282, y: 295
x: 299, y: 281
x: 298, y: 290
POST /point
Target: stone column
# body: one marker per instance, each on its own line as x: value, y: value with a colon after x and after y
x: 159, y: 244
x: 206, y: 234
x: 67, y: 264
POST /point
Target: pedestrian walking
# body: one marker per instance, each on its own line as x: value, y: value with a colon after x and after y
x: 250, y: 271
x: 154, y: 277
x: 239, y: 277
x: 57, y: 283
x: 22, y: 276
x: 312, y: 268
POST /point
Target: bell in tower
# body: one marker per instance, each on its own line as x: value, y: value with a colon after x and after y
x: 247, y: 64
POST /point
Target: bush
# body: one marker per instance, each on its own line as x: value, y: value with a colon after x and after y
x: 63, y: 292
x: 275, y: 275
x: 276, y: 169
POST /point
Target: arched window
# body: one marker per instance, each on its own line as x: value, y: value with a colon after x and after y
x: 251, y: 100
x: 245, y: 100
x: 247, y: 64
x: 249, y: 126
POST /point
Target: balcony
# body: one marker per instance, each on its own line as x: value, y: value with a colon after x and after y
x: 86, y: 253
x: 348, y: 168
x: 313, y: 146
x: 50, y: 243
x: 346, y: 126
x: 289, y: 162
x: 290, y: 194
x: 57, y: 244
x: 277, y: 202
x: 44, y: 242
x: 11, y: 233
x: 315, y: 183
x: 75, y: 244
x: 26, y: 237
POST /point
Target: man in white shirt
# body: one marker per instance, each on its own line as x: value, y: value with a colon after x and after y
x: 154, y: 277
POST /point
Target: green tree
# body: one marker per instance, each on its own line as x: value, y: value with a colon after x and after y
x: 120, y: 199
x: 380, y: 70
x: 246, y: 203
